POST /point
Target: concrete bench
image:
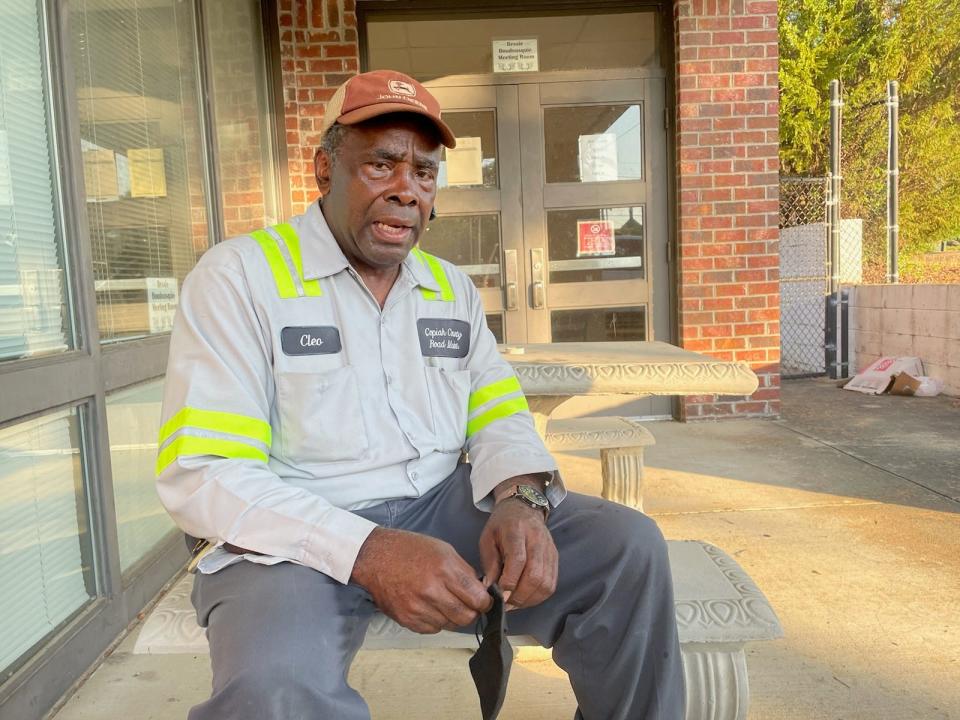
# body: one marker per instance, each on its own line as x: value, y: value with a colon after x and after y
x: 621, y: 442
x: 718, y: 610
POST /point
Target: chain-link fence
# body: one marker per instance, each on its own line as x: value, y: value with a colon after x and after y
x: 804, y: 282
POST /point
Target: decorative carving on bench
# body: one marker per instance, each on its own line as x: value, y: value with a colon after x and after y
x: 639, y: 378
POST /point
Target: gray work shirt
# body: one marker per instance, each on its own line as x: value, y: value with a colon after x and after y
x: 282, y: 414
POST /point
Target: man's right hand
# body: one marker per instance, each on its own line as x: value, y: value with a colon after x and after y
x: 419, y: 581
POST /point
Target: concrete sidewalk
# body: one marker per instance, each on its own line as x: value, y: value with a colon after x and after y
x: 845, y: 513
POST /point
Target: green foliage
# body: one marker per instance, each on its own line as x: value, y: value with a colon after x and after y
x: 864, y: 43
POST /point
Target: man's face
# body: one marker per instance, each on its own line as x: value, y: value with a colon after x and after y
x: 379, y: 191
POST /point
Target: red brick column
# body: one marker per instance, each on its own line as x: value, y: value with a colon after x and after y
x: 318, y: 52
x: 727, y: 190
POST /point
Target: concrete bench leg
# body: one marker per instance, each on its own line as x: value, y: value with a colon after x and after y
x: 716, y: 678
x: 622, y: 474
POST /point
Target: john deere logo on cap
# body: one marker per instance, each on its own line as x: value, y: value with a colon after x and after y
x: 402, y: 88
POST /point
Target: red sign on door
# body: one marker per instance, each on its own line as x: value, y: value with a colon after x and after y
x: 595, y: 238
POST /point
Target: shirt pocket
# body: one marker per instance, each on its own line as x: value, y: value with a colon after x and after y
x: 321, y: 416
x: 449, y: 392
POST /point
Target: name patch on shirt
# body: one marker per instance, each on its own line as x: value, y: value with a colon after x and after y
x: 311, y: 340
x: 443, y: 337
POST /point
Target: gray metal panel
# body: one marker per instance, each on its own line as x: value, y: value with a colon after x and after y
x: 608, y: 293
x: 599, y: 194
x: 134, y: 361
x: 467, y: 201
x: 613, y: 91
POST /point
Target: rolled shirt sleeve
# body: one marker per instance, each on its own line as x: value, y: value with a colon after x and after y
x: 502, y: 440
x: 213, y: 475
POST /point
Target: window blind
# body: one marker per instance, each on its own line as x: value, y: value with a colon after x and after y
x: 42, y: 526
x: 33, y: 318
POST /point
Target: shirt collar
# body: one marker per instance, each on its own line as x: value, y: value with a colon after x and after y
x: 323, y: 257
x: 320, y: 251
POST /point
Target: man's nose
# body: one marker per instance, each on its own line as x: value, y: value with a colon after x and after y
x: 403, y: 189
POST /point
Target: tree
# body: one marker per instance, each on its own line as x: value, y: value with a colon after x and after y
x: 864, y: 43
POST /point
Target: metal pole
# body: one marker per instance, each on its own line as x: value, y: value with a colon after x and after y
x: 893, y: 179
x: 833, y: 339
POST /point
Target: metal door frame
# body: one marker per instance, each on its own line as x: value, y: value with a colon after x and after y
x: 523, y: 198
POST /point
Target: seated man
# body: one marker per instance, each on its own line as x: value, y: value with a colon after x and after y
x: 325, y: 377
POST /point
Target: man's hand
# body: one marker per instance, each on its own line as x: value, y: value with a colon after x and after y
x: 419, y: 581
x: 517, y: 551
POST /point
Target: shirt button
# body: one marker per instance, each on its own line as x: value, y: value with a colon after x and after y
x: 414, y: 475
x: 389, y: 380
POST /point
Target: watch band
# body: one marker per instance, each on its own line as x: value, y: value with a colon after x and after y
x: 515, y: 492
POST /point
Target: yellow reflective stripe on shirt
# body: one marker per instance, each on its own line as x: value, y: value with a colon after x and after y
x: 278, y: 266
x: 192, y: 445
x: 493, y: 391
x: 217, y: 421
x: 311, y: 288
x: 502, y: 410
x: 436, y: 269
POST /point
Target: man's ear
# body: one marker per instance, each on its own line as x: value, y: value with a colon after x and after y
x: 321, y: 170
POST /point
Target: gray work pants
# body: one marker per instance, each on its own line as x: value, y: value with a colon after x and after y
x: 282, y: 637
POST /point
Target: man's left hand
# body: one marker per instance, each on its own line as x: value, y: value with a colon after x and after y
x: 517, y: 551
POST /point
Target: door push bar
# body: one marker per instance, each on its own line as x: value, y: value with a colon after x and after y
x: 538, y: 291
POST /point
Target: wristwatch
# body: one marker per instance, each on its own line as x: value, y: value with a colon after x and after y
x: 531, y: 496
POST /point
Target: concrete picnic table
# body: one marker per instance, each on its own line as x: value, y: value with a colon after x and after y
x: 552, y: 373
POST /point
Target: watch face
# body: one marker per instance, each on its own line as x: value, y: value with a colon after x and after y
x: 532, y: 495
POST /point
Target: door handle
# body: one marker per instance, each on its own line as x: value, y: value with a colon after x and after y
x: 538, y: 295
x: 511, y: 300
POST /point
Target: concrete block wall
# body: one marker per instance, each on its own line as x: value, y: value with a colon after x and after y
x: 913, y: 320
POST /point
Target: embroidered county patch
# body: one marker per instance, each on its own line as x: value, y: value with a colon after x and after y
x: 443, y: 337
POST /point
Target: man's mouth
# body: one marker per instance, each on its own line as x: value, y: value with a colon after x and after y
x: 392, y: 230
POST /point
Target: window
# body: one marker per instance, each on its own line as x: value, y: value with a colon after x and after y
x: 34, y: 319
x: 140, y: 133
x: 45, y: 558
x: 432, y: 47
x: 133, y: 422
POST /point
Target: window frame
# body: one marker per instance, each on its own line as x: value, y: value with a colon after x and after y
x: 85, y: 375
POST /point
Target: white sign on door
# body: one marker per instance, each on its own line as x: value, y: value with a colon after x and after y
x: 516, y: 55
x: 465, y: 163
x: 598, y: 157
x: 163, y: 296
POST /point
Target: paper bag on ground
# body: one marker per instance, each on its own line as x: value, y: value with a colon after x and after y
x: 876, y: 379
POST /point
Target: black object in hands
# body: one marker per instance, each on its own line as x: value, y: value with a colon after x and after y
x: 490, y: 664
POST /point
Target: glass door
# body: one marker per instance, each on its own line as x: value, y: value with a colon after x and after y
x: 554, y: 202
x: 480, y: 224
x: 593, y: 220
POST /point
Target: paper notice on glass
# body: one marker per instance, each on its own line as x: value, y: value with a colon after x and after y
x: 465, y: 163
x: 100, y: 175
x: 598, y: 157
x: 516, y: 55
x: 147, y: 176
x: 595, y: 238
x: 6, y: 177
x: 163, y: 296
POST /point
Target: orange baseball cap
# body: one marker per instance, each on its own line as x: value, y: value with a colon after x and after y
x: 379, y: 92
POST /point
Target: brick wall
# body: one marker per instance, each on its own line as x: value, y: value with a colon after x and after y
x: 727, y: 190
x: 318, y: 52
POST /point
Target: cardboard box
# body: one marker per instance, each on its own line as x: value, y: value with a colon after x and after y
x: 904, y: 384
x: 878, y: 377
